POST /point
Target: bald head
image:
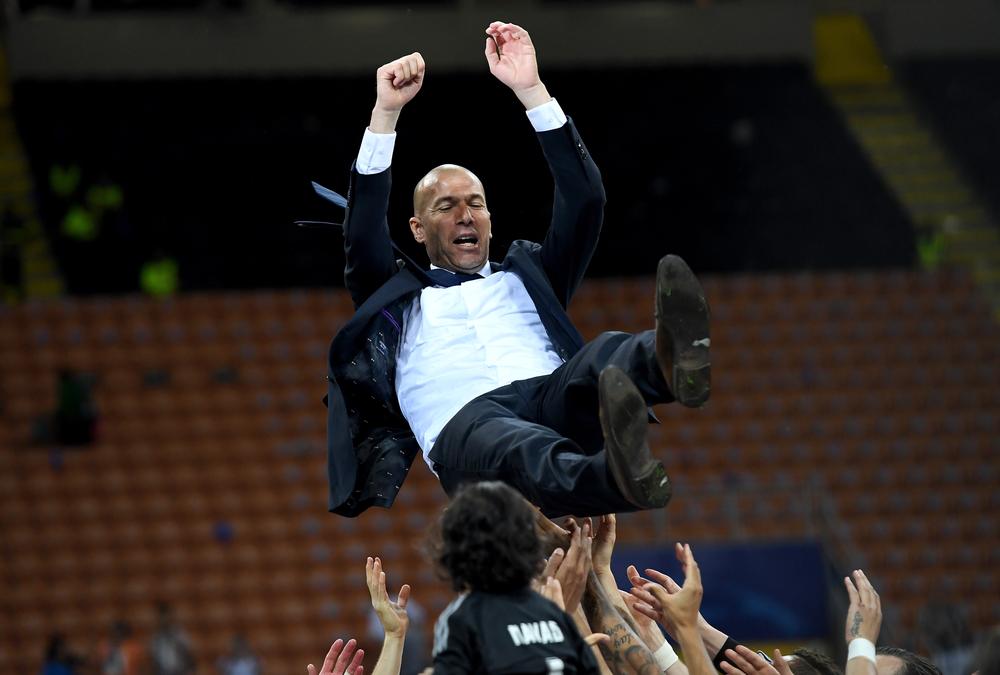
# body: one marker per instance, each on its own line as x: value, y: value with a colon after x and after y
x: 426, y: 186
x: 451, y: 220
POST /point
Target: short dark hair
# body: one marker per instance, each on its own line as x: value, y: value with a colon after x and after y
x: 811, y: 662
x: 487, y: 539
x: 913, y: 664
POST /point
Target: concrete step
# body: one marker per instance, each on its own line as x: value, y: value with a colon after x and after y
x: 898, y: 122
x: 913, y: 141
x: 929, y: 158
x: 958, y: 198
x: 880, y: 97
x: 940, y: 179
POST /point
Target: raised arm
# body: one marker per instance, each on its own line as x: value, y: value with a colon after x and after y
x: 392, y: 616
x: 862, y: 626
x: 680, y: 610
x: 578, y: 202
x: 367, y: 246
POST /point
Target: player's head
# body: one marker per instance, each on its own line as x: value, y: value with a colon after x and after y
x: 897, y: 661
x: 488, y: 540
x: 808, y: 662
x: 451, y: 220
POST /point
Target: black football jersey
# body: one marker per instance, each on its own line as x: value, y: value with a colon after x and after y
x: 519, y: 632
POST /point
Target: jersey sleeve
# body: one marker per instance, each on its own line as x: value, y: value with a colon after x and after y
x: 455, y: 647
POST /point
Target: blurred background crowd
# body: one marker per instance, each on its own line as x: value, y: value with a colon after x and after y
x: 829, y: 168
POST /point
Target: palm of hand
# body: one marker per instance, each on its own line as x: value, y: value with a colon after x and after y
x: 517, y: 67
x: 680, y: 608
x: 393, y: 617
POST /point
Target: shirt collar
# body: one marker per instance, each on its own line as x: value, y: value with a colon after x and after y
x: 485, y: 271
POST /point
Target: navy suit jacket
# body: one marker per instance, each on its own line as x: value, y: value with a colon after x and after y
x: 370, y: 446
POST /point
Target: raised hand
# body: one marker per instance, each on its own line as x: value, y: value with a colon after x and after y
x: 604, y: 542
x: 396, y: 83
x: 680, y: 609
x: 552, y: 590
x: 338, y: 660
x: 747, y: 662
x: 864, y: 616
x: 573, y: 569
x: 391, y: 614
x: 511, y: 57
x: 669, y: 585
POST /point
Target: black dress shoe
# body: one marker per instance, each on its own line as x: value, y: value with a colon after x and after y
x: 641, y: 479
x: 682, y: 338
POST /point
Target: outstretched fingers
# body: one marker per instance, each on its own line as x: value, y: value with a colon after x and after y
x: 331, y: 656
x: 349, y: 659
x: 664, y: 580
x: 866, y: 591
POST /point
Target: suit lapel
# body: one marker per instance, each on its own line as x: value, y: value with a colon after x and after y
x: 401, y: 284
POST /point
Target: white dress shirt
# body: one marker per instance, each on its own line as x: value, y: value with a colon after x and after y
x: 463, y: 341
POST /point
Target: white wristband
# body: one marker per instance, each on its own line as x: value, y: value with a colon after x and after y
x: 862, y: 647
x: 665, y: 656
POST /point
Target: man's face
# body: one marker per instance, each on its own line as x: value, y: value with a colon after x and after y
x: 451, y: 220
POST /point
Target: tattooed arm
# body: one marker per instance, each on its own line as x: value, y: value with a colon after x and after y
x: 863, y: 622
x: 625, y: 653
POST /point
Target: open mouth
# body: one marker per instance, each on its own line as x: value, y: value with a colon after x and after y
x: 469, y: 241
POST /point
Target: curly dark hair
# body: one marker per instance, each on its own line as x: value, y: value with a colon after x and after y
x: 486, y: 539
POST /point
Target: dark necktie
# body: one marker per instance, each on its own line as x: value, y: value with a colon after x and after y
x: 449, y: 279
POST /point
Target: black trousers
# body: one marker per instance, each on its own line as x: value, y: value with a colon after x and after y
x: 543, y: 436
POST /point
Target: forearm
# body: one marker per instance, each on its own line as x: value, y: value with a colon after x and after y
x: 695, y: 657
x: 626, y: 653
x: 678, y: 668
x: 577, y: 210
x: 607, y: 580
x: 533, y: 96
x: 367, y: 245
x: 391, y: 658
x: 582, y: 625
x: 383, y: 121
x: 713, y: 638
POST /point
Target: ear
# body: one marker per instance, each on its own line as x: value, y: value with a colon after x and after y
x: 417, y: 228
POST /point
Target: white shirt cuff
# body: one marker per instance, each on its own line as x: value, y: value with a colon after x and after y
x: 375, y: 155
x: 547, y: 116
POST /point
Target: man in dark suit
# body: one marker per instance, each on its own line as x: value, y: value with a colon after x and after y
x: 477, y: 363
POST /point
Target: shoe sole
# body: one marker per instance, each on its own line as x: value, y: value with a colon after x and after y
x: 640, y: 478
x: 682, y: 310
